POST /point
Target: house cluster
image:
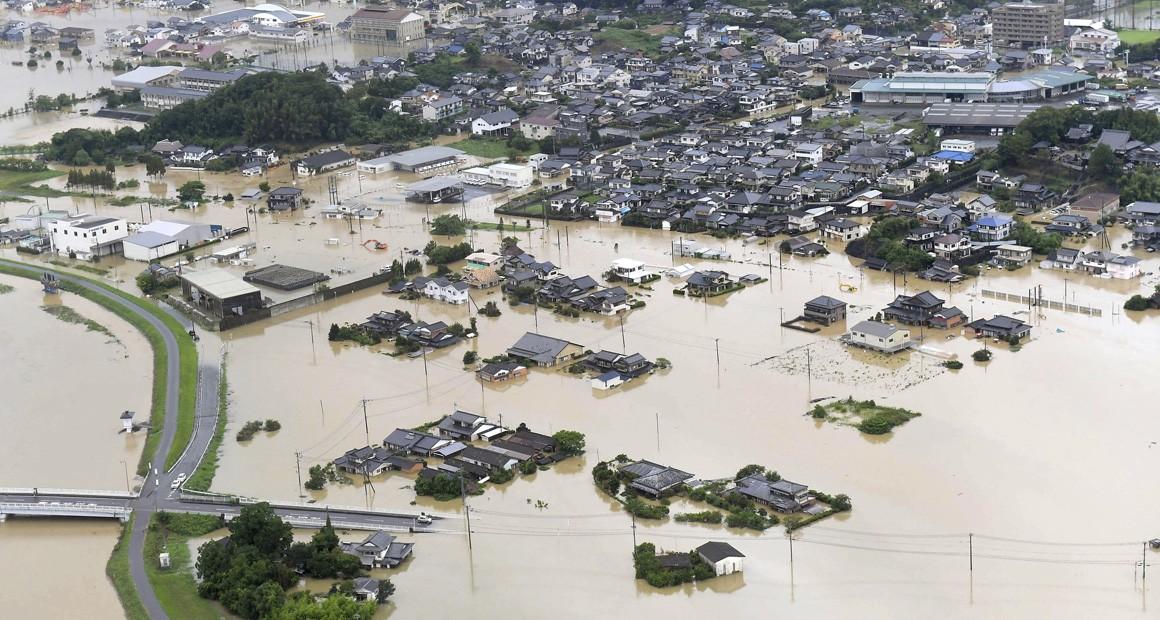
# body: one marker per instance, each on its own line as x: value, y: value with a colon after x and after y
x: 252, y: 161
x: 90, y: 237
x: 659, y: 481
x: 614, y: 369
x: 387, y: 325
x: 495, y: 449
x: 542, y: 282
x: 203, y: 36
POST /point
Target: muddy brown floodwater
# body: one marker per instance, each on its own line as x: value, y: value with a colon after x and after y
x: 64, y: 388
x: 1055, y: 443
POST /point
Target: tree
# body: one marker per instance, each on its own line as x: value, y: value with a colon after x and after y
x: 191, y: 191
x: 569, y: 442
x: 303, y: 606
x: 1103, y: 165
x: 1137, y: 303
x: 448, y: 226
x: 413, y: 266
x: 154, y: 165
x: 749, y: 470
x: 469, y: 357
x: 473, y: 53
x: 81, y: 158
x: 317, y: 478
x: 264, y: 186
x: 386, y: 590
x: 258, y: 526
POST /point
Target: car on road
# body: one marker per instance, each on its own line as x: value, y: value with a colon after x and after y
x: 423, y: 519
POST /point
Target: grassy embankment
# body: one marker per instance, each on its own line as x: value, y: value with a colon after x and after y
x: 175, y: 586
x: 117, y: 570
x: 187, y: 390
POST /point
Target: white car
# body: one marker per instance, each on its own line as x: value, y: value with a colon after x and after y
x: 181, y: 477
x: 423, y: 519
x: 175, y: 484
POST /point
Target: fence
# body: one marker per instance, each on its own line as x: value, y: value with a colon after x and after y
x: 1045, y: 303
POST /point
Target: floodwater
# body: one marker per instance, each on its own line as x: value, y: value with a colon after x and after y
x: 70, y: 385
x: 86, y: 74
x: 57, y: 569
x: 1022, y: 448
x: 64, y: 389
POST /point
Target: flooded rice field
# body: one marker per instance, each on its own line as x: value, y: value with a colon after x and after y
x: 1045, y: 454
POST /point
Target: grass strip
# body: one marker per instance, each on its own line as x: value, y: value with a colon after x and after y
x: 202, y: 477
x: 117, y: 568
x: 175, y: 586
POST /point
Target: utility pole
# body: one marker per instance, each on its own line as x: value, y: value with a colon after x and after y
x: 1144, y: 564
x: 323, y: 410
x: 366, y: 424
x: 623, y: 345
x: 791, y: 557
x: 971, y: 549
x: 633, y: 531
x: 717, y: 348
x: 426, y: 382
x: 658, y: 419
x: 298, y: 466
x: 466, y: 509
x: 313, y: 352
x: 809, y: 376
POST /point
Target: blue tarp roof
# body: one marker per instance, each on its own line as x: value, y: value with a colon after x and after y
x: 954, y: 156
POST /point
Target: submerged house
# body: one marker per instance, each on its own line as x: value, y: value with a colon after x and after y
x: 782, y: 495
x: 1000, y: 326
x: 653, y: 479
x: 544, y: 350
x: 379, y: 550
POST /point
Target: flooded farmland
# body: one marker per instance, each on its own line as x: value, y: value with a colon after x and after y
x: 40, y: 556
x: 1010, y: 451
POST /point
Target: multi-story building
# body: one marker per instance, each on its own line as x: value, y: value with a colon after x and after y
x: 1028, y: 25
x: 398, y: 30
x: 87, y: 236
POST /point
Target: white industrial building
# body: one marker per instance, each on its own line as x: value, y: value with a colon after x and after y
x: 86, y: 236
x: 161, y: 238
x: 503, y: 175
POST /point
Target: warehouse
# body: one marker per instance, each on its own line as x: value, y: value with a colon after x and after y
x: 219, y: 293
x: 976, y: 117
x: 425, y: 159
x: 922, y: 88
x: 162, y: 238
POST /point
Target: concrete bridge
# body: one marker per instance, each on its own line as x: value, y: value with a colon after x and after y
x: 77, y: 503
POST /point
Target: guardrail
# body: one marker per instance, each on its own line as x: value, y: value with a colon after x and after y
x: 346, y: 509
x: 56, y: 509
x: 68, y: 492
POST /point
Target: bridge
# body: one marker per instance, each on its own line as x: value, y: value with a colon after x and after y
x: 65, y: 503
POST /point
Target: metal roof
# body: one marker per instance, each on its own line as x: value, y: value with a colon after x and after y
x: 219, y: 283
x: 424, y: 155
x: 978, y: 114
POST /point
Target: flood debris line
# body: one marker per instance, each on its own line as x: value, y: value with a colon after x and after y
x: 752, y: 499
x: 69, y: 315
x: 829, y: 361
x: 865, y: 415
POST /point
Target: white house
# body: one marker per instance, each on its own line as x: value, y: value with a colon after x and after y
x: 723, y: 557
x: 88, y: 235
x: 810, y: 153
x: 442, y: 289
x: 630, y: 270
x: 495, y: 123
x: 960, y: 146
x: 882, y: 337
